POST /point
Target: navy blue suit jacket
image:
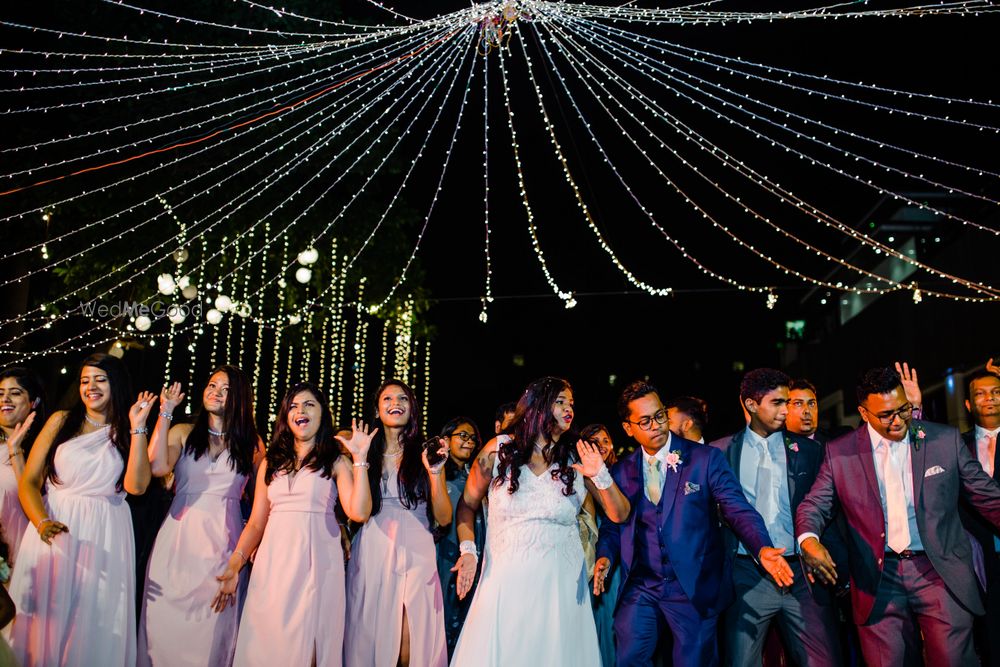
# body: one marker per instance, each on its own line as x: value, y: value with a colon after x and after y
x: 703, y: 487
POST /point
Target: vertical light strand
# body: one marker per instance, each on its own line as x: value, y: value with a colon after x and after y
x: 360, y: 340
x: 258, y: 357
x: 427, y: 380
x: 281, y: 320
x: 386, y: 325
x: 196, y: 332
x: 488, y: 298
x: 229, y: 316
x: 341, y: 347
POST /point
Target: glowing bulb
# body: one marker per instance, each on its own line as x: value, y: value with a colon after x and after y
x: 165, y: 283
x: 303, y: 275
x: 223, y: 303
x: 142, y: 323
x: 213, y: 316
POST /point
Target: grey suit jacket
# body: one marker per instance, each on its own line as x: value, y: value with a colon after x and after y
x: 943, y: 469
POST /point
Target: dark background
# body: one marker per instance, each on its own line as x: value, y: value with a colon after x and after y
x: 699, y: 340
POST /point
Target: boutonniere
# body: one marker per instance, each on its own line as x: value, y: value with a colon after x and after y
x: 918, y: 436
x: 673, y: 460
x: 791, y: 444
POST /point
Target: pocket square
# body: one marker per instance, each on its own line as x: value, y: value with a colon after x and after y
x: 691, y: 487
x: 933, y: 470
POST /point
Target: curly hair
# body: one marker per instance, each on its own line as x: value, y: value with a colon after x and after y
x: 533, y: 420
x: 758, y: 382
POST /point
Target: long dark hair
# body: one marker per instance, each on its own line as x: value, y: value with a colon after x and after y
x: 118, y: 407
x: 32, y: 385
x: 412, y: 483
x: 281, y: 454
x: 241, y: 432
x: 450, y: 467
x: 533, y: 419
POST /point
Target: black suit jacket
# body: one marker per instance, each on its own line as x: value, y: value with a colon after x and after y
x: 803, y: 466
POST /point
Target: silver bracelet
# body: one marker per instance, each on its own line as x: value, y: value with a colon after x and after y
x: 139, y: 431
x: 166, y: 416
x: 362, y: 464
x: 602, y: 480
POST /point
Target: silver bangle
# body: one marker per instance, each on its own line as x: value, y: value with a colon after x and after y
x: 166, y: 416
x: 139, y: 431
x: 362, y: 464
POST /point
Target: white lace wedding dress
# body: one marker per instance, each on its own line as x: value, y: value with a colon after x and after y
x: 532, y: 605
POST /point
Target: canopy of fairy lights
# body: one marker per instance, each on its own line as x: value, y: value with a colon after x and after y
x: 229, y: 179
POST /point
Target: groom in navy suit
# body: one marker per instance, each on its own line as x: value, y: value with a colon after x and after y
x: 675, y: 573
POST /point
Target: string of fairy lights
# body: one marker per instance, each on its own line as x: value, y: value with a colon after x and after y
x: 238, y: 163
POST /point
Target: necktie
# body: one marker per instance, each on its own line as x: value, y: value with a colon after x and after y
x: 990, y: 440
x: 762, y: 490
x: 895, y: 501
x: 654, y: 481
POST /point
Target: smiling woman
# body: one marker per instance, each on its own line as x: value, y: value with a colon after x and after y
x: 82, y: 557
x: 394, y: 602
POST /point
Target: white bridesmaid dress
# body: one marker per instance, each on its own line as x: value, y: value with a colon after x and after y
x: 76, y: 598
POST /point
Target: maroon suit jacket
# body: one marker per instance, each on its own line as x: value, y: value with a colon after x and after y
x: 943, y: 469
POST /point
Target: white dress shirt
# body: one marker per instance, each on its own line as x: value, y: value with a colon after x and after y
x: 902, y: 460
x: 762, y: 456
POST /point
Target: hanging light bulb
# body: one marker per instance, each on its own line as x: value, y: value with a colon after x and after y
x: 308, y: 256
x: 142, y: 323
x: 304, y: 275
x: 176, y: 314
x: 213, y: 316
x: 223, y: 303
x: 165, y: 283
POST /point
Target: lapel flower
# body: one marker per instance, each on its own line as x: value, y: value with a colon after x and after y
x: 918, y: 436
x: 791, y: 444
x: 673, y: 460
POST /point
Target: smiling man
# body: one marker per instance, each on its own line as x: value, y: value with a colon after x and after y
x: 897, y: 483
x: 675, y: 575
x: 775, y: 469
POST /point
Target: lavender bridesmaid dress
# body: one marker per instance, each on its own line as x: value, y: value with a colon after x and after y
x: 295, y: 602
x: 76, y: 598
x: 178, y: 627
x: 394, y: 565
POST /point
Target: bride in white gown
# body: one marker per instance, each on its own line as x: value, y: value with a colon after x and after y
x: 532, y: 605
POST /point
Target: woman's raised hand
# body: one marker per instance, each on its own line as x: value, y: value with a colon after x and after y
x: 139, y: 411
x: 360, y: 442
x: 171, y: 397
x: 591, y: 460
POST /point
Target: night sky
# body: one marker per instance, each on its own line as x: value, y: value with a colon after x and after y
x: 699, y: 340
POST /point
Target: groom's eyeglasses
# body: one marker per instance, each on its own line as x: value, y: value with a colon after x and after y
x: 646, y: 423
x: 886, y: 418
